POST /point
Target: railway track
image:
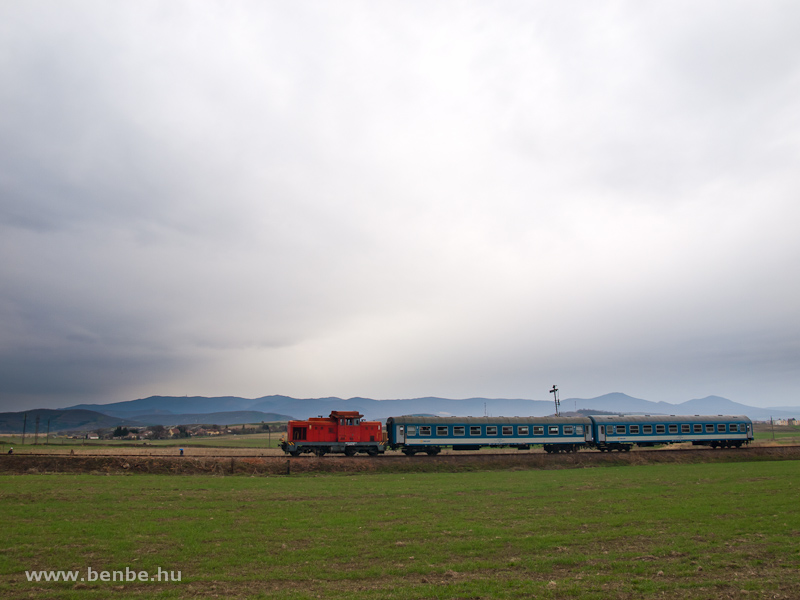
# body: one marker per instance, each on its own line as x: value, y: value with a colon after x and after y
x: 399, y: 456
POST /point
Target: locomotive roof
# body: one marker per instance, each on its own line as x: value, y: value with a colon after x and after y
x: 668, y: 418
x: 416, y: 420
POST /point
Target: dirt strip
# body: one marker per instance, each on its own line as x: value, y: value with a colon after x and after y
x: 282, y: 466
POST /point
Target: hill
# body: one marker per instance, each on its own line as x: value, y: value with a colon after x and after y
x: 172, y: 410
x: 216, y: 418
x: 60, y: 420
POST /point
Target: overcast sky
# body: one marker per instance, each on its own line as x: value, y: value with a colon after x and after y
x: 399, y: 199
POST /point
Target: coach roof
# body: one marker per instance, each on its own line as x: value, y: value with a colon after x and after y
x: 417, y: 420
x: 667, y: 418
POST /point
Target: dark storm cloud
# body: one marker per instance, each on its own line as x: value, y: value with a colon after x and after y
x: 398, y: 200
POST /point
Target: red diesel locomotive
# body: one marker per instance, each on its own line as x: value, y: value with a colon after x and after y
x: 342, y: 432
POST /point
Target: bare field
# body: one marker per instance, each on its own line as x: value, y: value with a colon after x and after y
x: 279, y: 464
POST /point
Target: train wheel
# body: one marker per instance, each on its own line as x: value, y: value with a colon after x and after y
x: 295, y: 453
x: 319, y: 452
x: 372, y: 452
x: 349, y: 451
x: 409, y: 452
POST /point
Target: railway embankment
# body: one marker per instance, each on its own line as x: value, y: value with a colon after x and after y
x: 282, y: 465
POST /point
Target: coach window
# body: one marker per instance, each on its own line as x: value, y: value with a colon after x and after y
x: 412, y: 430
x: 620, y: 429
x: 720, y: 427
x: 425, y: 430
x: 578, y: 429
x: 698, y: 428
x: 441, y: 430
x: 458, y: 430
x: 673, y: 429
x: 552, y: 430
x: 538, y: 430
x: 522, y: 430
x: 569, y: 430
x: 634, y: 429
x: 475, y: 430
x: 709, y: 428
x: 744, y: 427
x: 686, y: 428
x: 508, y: 430
x: 660, y: 429
x: 647, y: 429
x: 491, y: 430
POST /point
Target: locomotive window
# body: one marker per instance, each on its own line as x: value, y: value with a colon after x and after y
x: 522, y: 430
x: 508, y: 430
x: 660, y: 429
x: 673, y: 429
x: 491, y: 430
x: 709, y: 428
x: 647, y: 429
x: 475, y: 430
x: 441, y: 430
x: 698, y: 428
x: 721, y: 427
x: 568, y: 429
x: 425, y: 430
x: 552, y: 430
x: 686, y: 428
x: 538, y: 430
x: 634, y: 429
x: 459, y: 430
x: 578, y: 429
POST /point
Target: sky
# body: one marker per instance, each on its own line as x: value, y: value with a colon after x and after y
x: 399, y: 199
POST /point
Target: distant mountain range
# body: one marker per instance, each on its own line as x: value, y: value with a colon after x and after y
x: 227, y: 410
x: 79, y: 419
x: 381, y: 409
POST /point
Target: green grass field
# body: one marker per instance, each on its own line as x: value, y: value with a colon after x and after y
x: 666, y: 531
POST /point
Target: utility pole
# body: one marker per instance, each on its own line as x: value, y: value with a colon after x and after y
x: 24, y: 426
x: 47, y: 440
x: 554, y: 391
x: 36, y: 434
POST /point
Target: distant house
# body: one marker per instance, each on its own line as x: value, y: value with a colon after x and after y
x: 92, y: 436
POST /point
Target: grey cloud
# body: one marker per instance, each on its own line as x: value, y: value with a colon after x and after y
x: 398, y: 199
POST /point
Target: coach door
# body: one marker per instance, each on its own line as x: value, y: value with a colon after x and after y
x: 601, y: 433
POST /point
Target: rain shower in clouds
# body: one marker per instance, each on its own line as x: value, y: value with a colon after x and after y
x: 399, y: 199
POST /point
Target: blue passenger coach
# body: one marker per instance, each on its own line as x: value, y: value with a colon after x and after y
x: 618, y: 432
x: 430, y: 434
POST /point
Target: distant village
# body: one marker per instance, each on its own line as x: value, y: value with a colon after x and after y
x: 160, y: 432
